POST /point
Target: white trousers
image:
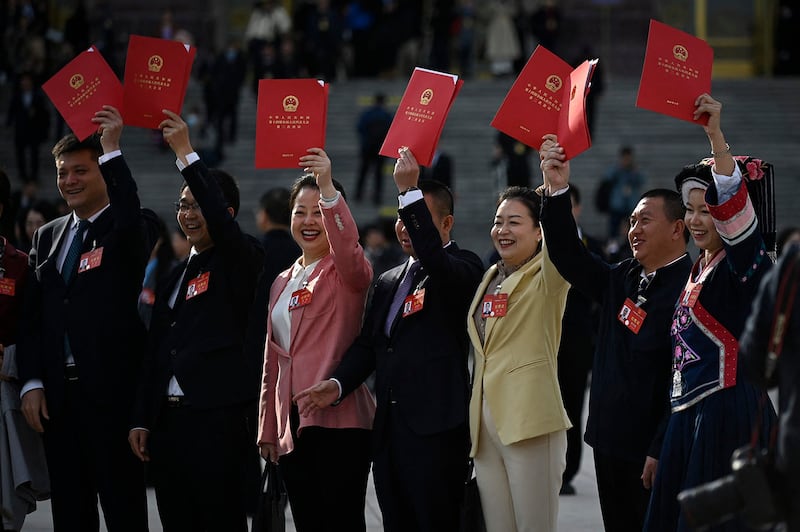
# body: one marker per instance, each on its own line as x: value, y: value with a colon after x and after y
x: 519, y: 483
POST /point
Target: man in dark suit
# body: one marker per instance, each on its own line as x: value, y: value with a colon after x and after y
x: 629, y: 396
x: 414, y: 337
x: 82, y: 340
x: 197, y: 382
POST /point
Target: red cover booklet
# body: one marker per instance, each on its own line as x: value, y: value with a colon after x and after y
x: 420, y: 117
x: 290, y: 118
x: 677, y: 69
x: 82, y: 88
x: 548, y: 97
x: 156, y: 76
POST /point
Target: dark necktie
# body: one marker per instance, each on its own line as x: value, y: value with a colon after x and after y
x: 70, y: 265
x: 403, y: 290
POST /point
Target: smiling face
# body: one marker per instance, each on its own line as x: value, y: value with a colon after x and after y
x: 700, y: 223
x: 515, y: 233
x: 81, y: 183
x: 654, y: 239
x: 192, y: 222
x: 307, y: 228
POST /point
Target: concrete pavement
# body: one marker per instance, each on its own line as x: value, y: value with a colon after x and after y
x: 577, y: 513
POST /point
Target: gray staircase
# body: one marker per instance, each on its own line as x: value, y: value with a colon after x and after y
x: 760, y: 117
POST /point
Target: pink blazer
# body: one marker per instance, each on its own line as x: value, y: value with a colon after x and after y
x: 321, y: 332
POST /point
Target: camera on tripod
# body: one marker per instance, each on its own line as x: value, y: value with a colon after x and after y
x: 750, y: 491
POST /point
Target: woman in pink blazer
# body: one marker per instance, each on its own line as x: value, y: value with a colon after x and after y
x: 315, y: 311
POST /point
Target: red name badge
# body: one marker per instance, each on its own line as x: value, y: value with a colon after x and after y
x: 8, y: 287
x: 300, y: 298
x: 494, y: 305
x: 197, y: 286
x: 690, y: 298
x: 147, y: 297
x: 90, y: 260
x: 414, y: 302
x: 631, y: 316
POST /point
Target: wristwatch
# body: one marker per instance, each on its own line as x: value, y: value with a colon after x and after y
x: 409, y: 189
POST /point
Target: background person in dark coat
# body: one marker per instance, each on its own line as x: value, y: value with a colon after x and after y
x: 30, y: 117
x: 755, y: 357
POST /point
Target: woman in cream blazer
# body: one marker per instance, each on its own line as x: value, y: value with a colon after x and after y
x: 315, y: 310
x: 517, y: 420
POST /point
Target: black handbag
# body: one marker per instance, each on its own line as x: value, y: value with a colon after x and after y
x: 471, y: 509
x: 271, y: 513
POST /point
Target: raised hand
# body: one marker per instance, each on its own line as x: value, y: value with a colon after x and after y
x: 109, y: 126
x: 318, y: 163
x: 555, y: 167
x: 406, y: 170
x: 176, y: 134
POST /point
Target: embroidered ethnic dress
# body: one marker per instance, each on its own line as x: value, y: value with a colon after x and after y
x: 714, y: 409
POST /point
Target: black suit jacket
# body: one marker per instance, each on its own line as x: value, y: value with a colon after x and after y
x: 631, y: 373
x: 98, y: 310
x: 423, y: 363
x: 201, y: 340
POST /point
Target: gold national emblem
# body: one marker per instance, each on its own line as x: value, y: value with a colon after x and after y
x: 553, y: 83
x: 680, y: 52
x: 155, y: 63
x: 426, y: 97
x: 291, y: 103
x: 76, y: 81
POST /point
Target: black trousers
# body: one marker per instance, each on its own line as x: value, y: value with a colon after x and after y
x: 623, y: 498
x: 326, y: 478
x: 419, y: 479
x: 89, y: 457
x: 198, y: 461
x: 574, y: 364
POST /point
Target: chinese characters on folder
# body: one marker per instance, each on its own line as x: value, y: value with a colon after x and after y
x: 677, y: 69
x: 156, y: 77
x: 421, y: 115
x: 291, y: 117
x: 82, y: 88
x: 548, y: 97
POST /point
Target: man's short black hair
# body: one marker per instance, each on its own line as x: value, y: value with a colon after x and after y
x: 442, y: 195
x: 69, y: 143
x: 275, y: 202
x: 227, y: 183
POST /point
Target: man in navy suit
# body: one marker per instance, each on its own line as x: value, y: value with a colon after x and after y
x: 82, y: 340
x: 415, y: 338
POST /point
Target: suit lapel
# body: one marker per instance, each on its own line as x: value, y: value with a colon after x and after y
x: 59, y: 230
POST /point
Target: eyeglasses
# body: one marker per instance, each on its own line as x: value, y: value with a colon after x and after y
x: 186, y: 208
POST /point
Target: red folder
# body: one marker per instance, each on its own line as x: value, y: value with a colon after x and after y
x: 548, y: 96
x: 82, y: 88
x: 291, y: 117
x: 156, y: 76
x: 420, y: 117
x: 677, y: 69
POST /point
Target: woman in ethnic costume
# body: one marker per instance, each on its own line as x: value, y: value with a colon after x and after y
x: 730, y: 214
